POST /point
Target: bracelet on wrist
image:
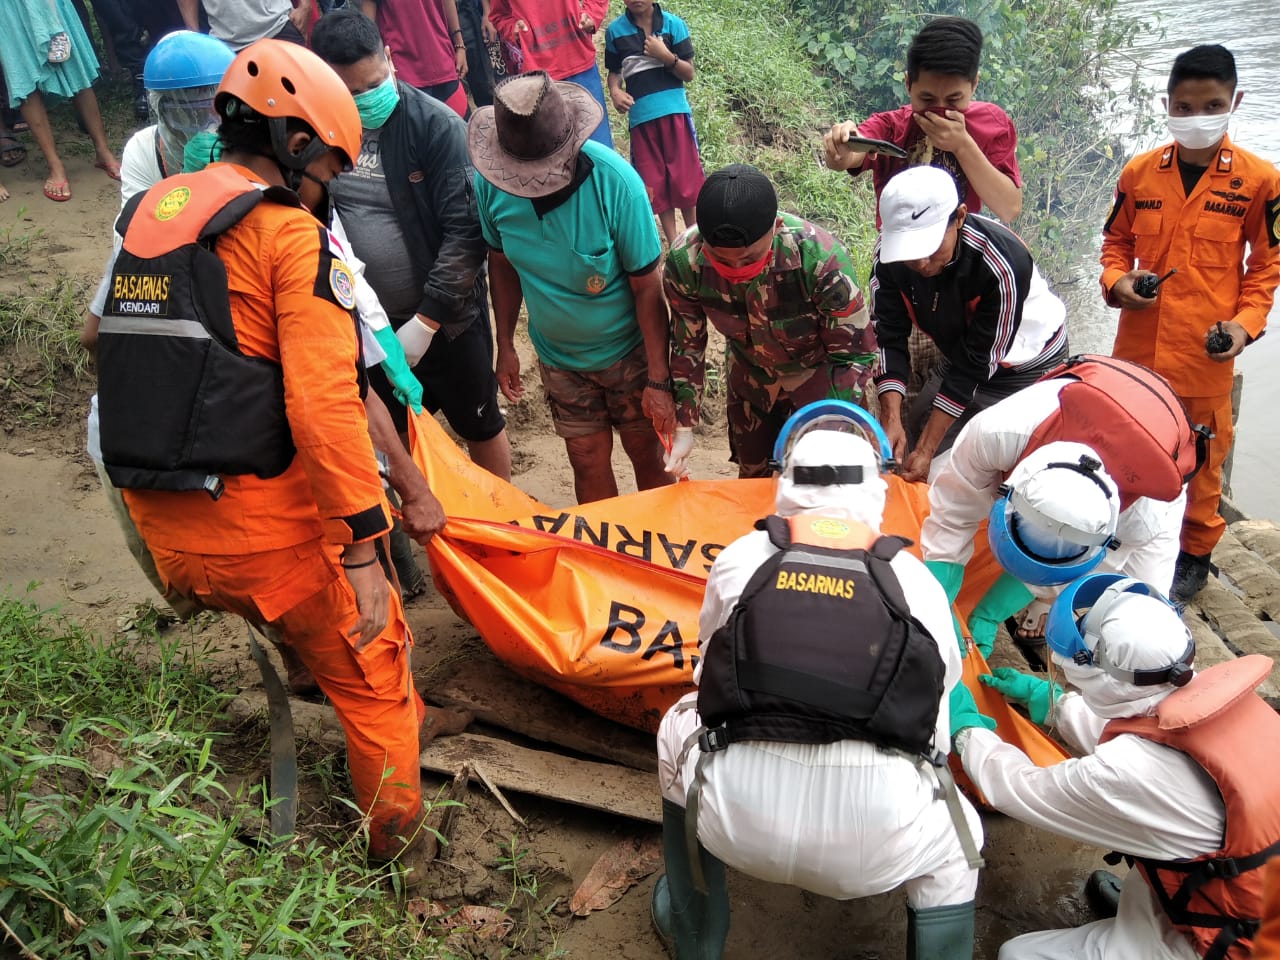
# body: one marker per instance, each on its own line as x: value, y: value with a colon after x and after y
x: 359, y: 566
x: 455, y: 33
x: 665, y: 385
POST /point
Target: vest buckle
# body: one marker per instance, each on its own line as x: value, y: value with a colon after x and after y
x: 714, y: 739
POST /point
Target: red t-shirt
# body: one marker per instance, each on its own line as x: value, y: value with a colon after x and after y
x: 418, y: 36
x: 553, y: 42
x: 990, y: 127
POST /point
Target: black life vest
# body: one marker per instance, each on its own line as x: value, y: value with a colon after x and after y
x: 822, y: 646
x: 179, y: 403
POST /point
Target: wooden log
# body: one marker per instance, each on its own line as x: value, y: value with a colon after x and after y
x: 1256, y: 580
x: 311, y: 721
x: 585, y: 783
x: 497, y: 696
x: 1260, y: 536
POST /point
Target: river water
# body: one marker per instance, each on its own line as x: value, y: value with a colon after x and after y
x: 1251, y: 31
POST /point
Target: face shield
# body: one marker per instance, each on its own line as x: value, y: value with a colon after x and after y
x: 1056, y: 517
x: 831, y: 456
x: 1120, y: 641
x: 180, y: 115
x: 839, y: 416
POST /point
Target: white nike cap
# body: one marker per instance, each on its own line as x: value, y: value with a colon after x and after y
x: 915, y: 207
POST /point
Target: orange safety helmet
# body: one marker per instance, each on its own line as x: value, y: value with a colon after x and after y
x: 281, y: 80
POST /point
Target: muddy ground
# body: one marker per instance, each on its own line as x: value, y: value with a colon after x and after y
x: 56, y: 533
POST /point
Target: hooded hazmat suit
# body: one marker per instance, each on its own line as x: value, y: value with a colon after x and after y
x: 845, y: 819
x: 1127, y: 794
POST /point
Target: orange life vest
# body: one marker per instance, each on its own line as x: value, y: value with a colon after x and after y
x: 1134, y: 421
x: 1220, y: 723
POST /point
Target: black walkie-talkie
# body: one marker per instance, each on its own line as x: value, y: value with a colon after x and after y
x: 1147, y: 284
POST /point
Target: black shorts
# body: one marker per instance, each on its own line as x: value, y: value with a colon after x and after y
x: 457, y: 377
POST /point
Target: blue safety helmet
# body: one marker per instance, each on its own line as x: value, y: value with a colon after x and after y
x: 839, y: 415
x: 184, y: 59
x: 1073, y: 629
x: 1046, y: 527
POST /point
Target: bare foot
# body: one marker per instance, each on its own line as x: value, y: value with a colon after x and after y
x: 443, y: 722
x: 4, y: 194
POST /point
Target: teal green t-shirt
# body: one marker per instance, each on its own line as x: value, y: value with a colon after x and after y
x: 575, y: 261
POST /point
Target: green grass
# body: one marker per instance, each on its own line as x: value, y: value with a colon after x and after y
x: 119, y: 839
x: 46, y: 326
x: 15, y: 241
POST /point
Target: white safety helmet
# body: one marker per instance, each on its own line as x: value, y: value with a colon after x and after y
x: 1121, y: 642
x: 1056, y: 516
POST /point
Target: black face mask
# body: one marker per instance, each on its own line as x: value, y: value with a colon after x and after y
x: 322, y: 208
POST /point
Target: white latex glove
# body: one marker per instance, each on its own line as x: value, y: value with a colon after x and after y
x: 676, y: 460
x: 415, y: 336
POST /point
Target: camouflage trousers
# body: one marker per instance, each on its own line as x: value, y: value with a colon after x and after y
x: 760, y: 402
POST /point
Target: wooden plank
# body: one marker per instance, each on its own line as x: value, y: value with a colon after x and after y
x: 497, y: 696
x: 1252, y: 576
x: 1260, y: 536
x: 584, y: 783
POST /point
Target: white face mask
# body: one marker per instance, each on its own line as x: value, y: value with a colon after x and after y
x: 1196, y: 133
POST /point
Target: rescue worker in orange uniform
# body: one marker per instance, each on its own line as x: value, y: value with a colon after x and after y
x: 1192, y: 206
x: 230, y: 385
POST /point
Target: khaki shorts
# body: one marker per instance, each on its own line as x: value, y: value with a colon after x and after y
x: 584, y: 402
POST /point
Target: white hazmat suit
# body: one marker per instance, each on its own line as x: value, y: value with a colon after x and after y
x: 845, y: 819
x: 1128, y: 794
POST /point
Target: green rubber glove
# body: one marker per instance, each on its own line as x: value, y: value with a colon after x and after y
x: 1006, y: 597
x: 965, y: 712
x: 1037, y: 695
x: 201, y: 150
x: 950, y: 575
x: 405, y: 385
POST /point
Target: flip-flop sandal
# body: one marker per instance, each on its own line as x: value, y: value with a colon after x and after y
x: 1022, y: 628
x: 59, y: 48
x: 12, y: 152
x: 51, y: 185
x: 112, y: 170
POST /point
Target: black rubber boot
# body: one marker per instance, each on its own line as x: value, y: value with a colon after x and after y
x: 1102, y: 890
x: 1190, y: 574
x: 691, y: 925
x: 940, y: 933
x: 412, y: 580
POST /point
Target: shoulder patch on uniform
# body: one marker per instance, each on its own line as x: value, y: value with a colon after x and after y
x: 171, y: 204
x: 342, y: 284
x: 1116, y: 204
x: 1273, y: 221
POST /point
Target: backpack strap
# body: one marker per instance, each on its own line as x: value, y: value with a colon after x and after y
x: 879, y: 557
x: 127, y: 214
x: 778, y: 529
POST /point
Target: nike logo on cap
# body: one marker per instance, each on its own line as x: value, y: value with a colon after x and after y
x: 921, y: 212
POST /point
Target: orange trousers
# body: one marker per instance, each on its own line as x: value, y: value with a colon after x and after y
x: 301, y: 592
x: 1266, y: 945
x: 1202, y: 527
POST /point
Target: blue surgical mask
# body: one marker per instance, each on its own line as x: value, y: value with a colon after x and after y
x: 375, y: 105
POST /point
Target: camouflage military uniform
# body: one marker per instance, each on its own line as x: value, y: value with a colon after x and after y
x: 798, y: 332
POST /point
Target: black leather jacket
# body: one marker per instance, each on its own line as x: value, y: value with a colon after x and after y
x: 429, y: 177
